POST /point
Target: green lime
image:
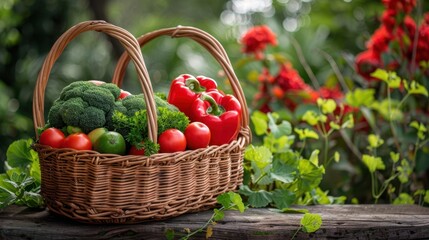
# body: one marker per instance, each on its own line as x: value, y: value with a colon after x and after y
x: 110, y: 142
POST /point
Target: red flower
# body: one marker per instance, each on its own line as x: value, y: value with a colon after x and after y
x: 331, y: 93
x: 422, y: 53
x: 366, y: 63
x: 256, y: 39
x: 379, y: 41
x: 289, y: 79
x: 405, y: 6
x: 388, y: 19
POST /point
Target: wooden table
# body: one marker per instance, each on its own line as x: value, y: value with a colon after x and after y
x: 339, y: 222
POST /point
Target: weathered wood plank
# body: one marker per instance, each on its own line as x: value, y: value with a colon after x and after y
x: 339, y: 222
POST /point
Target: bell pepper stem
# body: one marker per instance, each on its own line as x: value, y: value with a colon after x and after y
x: 194, y: 85
x: 214, y: 109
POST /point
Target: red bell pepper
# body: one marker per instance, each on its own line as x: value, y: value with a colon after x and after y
x: 221, y: 113
x: 186, y: 88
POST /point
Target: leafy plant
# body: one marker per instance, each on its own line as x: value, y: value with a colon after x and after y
x: 21, y: 183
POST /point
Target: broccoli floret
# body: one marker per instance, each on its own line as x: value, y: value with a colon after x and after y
x: 91, y: 118
x: 71, y: 111
x: 99, y: 97
x: 115, y: 90
x: 54, y: 116
x: 117, y: 107
x: 134, y: 103
x: 85, y: 105
x: 75, y: 89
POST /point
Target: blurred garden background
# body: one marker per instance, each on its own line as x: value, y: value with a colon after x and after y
x: 320, y: 40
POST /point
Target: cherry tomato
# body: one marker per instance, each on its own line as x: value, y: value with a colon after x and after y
x: 134, y: 151
x: 52, y: 137
x: 124, y: 94
x: 78, y: 141
x: 197, y: 135
x: 172, y: 140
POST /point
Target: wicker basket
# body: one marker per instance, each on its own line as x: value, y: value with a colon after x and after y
x: 106, y: 188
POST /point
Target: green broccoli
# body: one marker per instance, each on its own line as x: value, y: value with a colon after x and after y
x: 85, y: 105
x: 133, y: 125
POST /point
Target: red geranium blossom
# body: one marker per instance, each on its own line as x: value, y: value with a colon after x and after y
x: 379, y: 41
x: 257, y: 38
x: 405, y: 6
x: 366, y: 63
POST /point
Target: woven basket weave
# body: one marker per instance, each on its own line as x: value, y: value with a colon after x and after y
x: 106, y: 188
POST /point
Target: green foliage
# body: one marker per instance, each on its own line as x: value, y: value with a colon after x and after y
x: 278, y: 176
x: 21, y: 183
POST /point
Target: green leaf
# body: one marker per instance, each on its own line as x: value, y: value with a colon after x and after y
x: 311, y: 222
x: 218, y: 215
x: 260, y: 155
x: 314, y: 157
x: 373, y: 163
x: 360, y: 97
x: 334, y: 125
x: 391, y: 78
x: 394, y: 156
x: 336, y: 156
x: 231, y: 200
x: 32, y: 199
x: 283, y: 198
x: 6, y: 197
x: 426, y: 198
x: 282, y: 171
x: 311, y: 117
x: 375, y: 141
x: 327, y: 105
x: 415, y: 88
x: 169, y: 234
x: 256, y: 199
x: 20, y: 154
x: 403, y: 199
x: 259, y: 120
x: 349, y: 123
x: 309, y: 175
x: 278, y: 130
x: 306, y: 133
x: 405, y: 170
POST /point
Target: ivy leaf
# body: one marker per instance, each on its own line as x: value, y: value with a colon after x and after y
x: 415, y: 88
x: 375, y: 141
x: 309, y: 175
x: 391, y: 78
x: 373, y: 163
x: 426, y: 198
x: 20, y: 154
x: 311, y: 222
x: 257, y: 199
x: 283, y: 171
x: 283, y: 198
x: 403, y: 198
x: 218, y: 215
x: 259, y: 120
x: 327, y: 105
x: 310, y: 117
x: 314, y: 157
x: 260, y: 155
x: 278, y: 130
x: 306, y: 133
x: 360, y: 97
x: 231, y: 200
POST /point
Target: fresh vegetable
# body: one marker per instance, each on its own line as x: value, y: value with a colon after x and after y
x: 53, y: 137
x: 132, y: 122
x: 172, y: 140
x: 95, y: 134
x: 197, y: 135
x: 186, y: 88
x: 78, y: 141
x: 71, y: 130
x: 136, y: 151
x: 221, y: 113
x: 110, y: 142
x: 124, y: 94
x: 85, y: 105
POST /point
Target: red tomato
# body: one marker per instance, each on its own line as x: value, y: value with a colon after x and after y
x: 78, y: 141
x: 124, y: 94
x: 134, y: 151
x: 52, y: 137
x: 172, y: 140
x: 197, y: 135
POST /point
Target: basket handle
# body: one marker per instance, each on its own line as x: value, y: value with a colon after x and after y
x: 204, y: 39
x: 128, y: 41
